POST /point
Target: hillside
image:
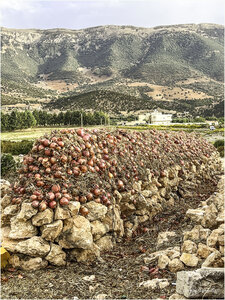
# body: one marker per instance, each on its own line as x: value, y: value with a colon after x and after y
x: 165, y: 63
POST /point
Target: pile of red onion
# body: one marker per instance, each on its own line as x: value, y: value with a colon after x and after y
x: 90, y: 165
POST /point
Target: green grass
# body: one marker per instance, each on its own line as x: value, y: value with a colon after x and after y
x: 27, y: 134
x: 33, y: 133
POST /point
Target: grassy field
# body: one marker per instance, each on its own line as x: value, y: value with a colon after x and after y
x: 31, y: 133
x: 34, y: 133
x: 27, y: 134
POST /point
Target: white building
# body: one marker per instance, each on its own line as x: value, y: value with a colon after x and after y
x: 158, y: 118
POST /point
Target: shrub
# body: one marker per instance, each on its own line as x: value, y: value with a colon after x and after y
x: 218, y: 143
x: 16, y: 148
x: 8, y: 164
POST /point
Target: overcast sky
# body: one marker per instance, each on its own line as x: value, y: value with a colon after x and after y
x: 76, y: 14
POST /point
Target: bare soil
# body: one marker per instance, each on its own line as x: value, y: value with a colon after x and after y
x: 118, y: 273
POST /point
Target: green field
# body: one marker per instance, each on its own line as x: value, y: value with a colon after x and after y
x: 27, y: 134
x: 31, y: 133
x: 34, y: 133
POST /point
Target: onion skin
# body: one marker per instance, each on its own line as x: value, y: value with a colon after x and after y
x: 52, y: 204
x: 56, y: 188
x: 42, y: 206
x: 64, y: 201
x: 35, y: 204
x: 84, y: 211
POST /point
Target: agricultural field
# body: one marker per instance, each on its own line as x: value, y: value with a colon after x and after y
x: 34, y: 133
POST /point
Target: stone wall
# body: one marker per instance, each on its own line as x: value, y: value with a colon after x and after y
x: 36, y: 239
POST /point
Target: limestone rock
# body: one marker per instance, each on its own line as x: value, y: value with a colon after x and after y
x: 171, y: 252
x: 221, y: 240
x: 101, y: 297
x: 155, y: 283
x: 196, y: 215
x: 202, y: 283
x: 85, y: 255
x: 204, y: 251
x: 212, y: 240
x: 222, y: 249
x: 5, y: 201
x: 198, y: 233
x: 43, y: 217
x: 127, y: 208
x: 189, y: 247
x: 76, y: 234
x: 35, y: 246
x: 21, y: 229
x: 62, y: 213
x: 27, y: 211
x: 220, y: 218
x: 96, y: 210
x: 4, y: 185
x: 113, y: 220
x: 213, y: 260
x: 209, y: 219
x: 73, y: 208
x: 98, y: 229
x: 8, y: 213
x: 175, y: 265
x: 105, y: 243
x: 33, y: 264
x: 165, y: 239
x: 163, y: 261
x: 14, y: 261
x: 56, y: 256
x: 176, y: 296
x: 50, y: 232
x: 6, y: 242
x: 189, y: 259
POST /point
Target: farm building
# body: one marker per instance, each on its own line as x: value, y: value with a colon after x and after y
x: 158, y: 118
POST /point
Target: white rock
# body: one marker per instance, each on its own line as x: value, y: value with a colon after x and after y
x: 101, y: 296
x: 155, y: 283
x: 201, y: 283
x: 89, y: 278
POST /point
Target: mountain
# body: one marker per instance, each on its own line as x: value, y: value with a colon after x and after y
x: 164, y: 64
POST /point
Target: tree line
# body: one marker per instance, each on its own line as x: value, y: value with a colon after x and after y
x: 22, y: 120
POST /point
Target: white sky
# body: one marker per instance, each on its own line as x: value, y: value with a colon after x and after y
x: 76, y: 14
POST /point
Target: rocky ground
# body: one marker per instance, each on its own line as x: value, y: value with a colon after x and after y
x: 125, y: 271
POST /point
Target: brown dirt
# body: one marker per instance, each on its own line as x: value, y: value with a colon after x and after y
x: 117, y: 273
